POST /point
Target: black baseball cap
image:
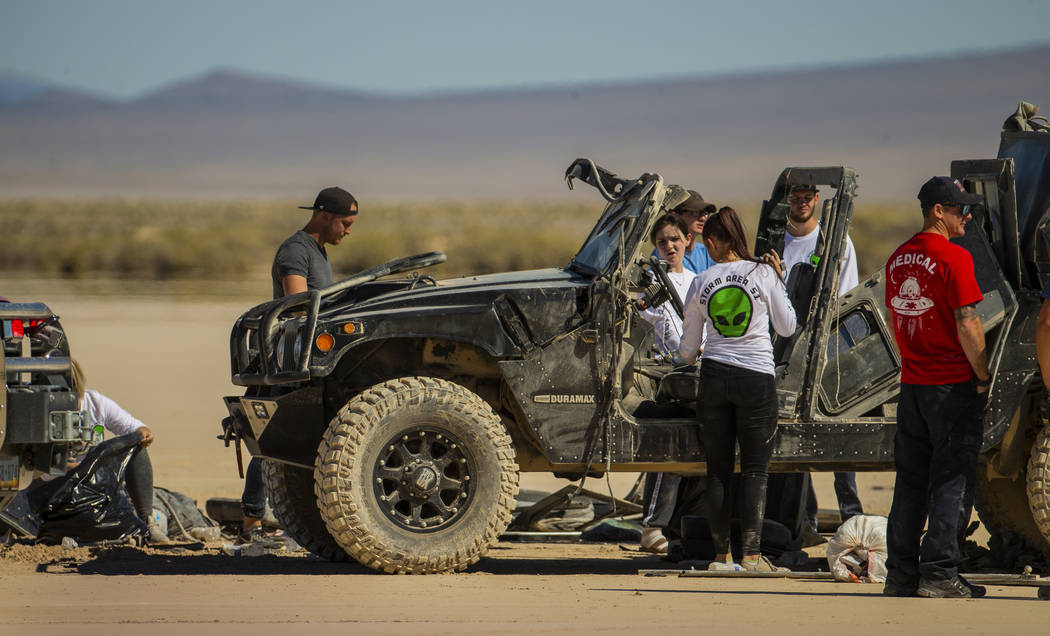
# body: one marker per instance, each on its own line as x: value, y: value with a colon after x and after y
x: 803, y: 187
x: 334, y: 200
x: 695, y: 203
x: 945, y: 190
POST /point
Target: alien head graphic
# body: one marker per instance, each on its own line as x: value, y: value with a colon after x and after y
x: 730, y: 310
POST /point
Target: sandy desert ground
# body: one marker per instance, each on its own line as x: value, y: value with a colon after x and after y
x: 165, y: 359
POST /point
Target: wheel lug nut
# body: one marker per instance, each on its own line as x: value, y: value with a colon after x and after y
x: 391, y: 447
x: 382, y: 463
x: 404, y: 438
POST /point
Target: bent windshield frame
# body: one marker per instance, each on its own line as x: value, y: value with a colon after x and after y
x: 609, y: 233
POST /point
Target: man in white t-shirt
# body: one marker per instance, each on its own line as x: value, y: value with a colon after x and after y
x: 803, y: 231
x: 800, y: 242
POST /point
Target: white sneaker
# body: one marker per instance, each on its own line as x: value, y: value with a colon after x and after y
x: 762, y: 565
x: 653, y: 540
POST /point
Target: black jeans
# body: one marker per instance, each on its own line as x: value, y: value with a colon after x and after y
x: 845, y: 492
x: 737, y: 406
x: 138, y: 478
x: 939, y: 430
x: 253, y: 499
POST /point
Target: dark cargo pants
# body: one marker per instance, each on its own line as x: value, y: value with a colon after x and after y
x: 939, y: 430
x: 660, y: 499
x: 253, y: 499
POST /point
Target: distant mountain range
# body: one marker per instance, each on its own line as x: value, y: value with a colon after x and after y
x: 233, y: 134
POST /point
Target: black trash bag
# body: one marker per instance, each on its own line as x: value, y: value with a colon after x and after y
x: 18, y: 518
x: 88, y: 502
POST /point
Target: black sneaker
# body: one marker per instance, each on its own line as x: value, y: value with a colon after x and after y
x: 899, y: 587
x: 256, y: 534
x: 955, y: 587
x: 976, y: 591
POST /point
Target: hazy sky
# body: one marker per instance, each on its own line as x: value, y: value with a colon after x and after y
x: 125, y: 48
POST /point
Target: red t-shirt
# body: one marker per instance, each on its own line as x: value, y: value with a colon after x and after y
x: 927, y: 279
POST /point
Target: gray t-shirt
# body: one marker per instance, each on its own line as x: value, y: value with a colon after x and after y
x: 300, y: 255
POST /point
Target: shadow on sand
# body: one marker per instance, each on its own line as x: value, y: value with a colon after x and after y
x: 122, y: 561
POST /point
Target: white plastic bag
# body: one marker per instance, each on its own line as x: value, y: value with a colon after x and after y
x: 857, y: 551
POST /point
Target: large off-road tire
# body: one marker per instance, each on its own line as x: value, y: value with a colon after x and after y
x: 416, y: 475
x: 1003, y: 507
x: 1038, y: 487
x: 291, y: 493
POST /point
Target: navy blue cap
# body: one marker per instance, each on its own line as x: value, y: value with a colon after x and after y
x: 946, y: 191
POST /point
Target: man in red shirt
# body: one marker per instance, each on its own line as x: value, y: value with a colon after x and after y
x: 932, y: 294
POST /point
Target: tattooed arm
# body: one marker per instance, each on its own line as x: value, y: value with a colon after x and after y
x: 971, y: 337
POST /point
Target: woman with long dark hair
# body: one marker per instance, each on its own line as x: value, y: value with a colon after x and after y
x: 670, y: 236
x: 738, y: 298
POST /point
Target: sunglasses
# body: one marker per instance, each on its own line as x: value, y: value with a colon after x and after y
x: 801, y: 199
x: 964, y: 210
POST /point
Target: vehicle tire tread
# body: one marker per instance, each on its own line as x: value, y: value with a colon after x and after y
x: 347, y: 434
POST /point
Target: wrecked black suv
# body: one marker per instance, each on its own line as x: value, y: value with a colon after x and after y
x: 396, y: 413
x: 41, y: 425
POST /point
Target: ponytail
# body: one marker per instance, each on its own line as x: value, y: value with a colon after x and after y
x: 725, y: 226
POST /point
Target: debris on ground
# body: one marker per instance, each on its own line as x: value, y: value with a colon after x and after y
x: 857, y: 552
x: 1006, y: 552
x: 612, y: 531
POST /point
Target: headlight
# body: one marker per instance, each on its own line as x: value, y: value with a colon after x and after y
x: 289, y: 341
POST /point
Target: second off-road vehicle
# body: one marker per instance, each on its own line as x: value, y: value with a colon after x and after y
x: 41, y: 424
x: 396, y: 414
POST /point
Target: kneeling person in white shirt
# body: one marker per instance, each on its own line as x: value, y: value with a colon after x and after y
x: 139, y: 475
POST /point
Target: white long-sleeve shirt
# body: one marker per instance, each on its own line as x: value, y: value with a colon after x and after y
x: 737, y: 301
x: 108, y: 413
x: 666, y: 323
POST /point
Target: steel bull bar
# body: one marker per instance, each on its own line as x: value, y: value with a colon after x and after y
x: 263, y: 321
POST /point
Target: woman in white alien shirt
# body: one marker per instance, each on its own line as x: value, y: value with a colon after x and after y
x: 737, y: 299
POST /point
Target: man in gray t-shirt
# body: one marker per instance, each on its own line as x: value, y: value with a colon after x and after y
x: 300, y: 264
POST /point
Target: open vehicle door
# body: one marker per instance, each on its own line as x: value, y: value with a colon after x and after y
x: 993, y: 238
x: 842, y: 360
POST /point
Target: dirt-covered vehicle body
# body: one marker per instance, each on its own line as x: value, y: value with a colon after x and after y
x: 41, y: 423
x: 396, y: 414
